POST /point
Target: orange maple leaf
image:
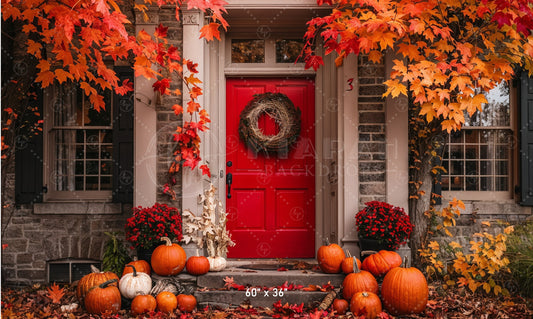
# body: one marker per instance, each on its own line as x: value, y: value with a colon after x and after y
x: 210, y: 31
x: 55, y: 293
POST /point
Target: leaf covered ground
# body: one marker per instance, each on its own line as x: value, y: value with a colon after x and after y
x: 47, y: 301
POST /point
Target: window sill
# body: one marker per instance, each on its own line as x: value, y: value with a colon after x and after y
x: 80, y: 208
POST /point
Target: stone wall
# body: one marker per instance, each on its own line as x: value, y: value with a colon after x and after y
x: 372, y: 144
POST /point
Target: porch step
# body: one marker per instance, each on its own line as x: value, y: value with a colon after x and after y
x: 264, y: 283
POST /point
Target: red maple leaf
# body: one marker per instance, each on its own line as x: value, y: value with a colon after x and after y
x: 313, y: 61
x: 205, y: 170
x: 161, y: 31
x: 162, y: 85
x: 210, y: 31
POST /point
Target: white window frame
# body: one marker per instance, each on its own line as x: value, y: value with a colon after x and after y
x: 52, y: 195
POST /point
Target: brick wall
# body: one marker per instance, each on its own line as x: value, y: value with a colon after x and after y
x: 372, y: 145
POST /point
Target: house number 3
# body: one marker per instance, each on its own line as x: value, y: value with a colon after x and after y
x: 350, y: 84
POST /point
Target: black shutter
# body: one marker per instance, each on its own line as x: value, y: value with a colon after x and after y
x: 526, y: 140
x: 123, y: 141
x: 29, y: 153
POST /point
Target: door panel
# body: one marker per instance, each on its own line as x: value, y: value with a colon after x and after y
x: 271, y: 212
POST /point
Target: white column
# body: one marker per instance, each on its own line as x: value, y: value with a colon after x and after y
x: 348, y: 131
x: 193, y: 49
x: 145, y: 131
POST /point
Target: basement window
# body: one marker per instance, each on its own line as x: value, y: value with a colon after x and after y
x: 69, y: 270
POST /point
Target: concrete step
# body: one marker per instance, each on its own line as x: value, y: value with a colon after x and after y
x: 225, y: 299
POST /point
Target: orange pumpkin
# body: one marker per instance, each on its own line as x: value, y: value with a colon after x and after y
x: 359, y: 280
x: 168, y: 259
x: 95, y: 278
x: 381, y: 262
x: 104, y: 298
x: 142, y: 304
x: 347, y: 263
x: 197, y: 265
x: 340, y: 306
x: 367, y: 304
x: 140, y: 266
x: 166, y: 301
x: 404, y: 291
x: 330, y: 258
x: 186, y: 303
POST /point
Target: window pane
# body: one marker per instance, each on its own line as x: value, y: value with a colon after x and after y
x: 91, y: 183
x: 91, y: 168
x: 79, y: 183
x: 497, y: 112
x: 105, y: 183
x: 287, y: 51
x: 106, y: 167
x: 247, y: 51
x: 502, y: 183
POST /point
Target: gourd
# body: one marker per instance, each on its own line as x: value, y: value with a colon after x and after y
x: 381, y: 262
x: 217, y: 263
x: 404, y: 291
x: 197, y: 265
x: 166, y: 301
x: 103, y: 298
x: 131, y: 284
x: 340, y: 306
x: 142, y: 304
x: 140, y: 265
x: 330, y: 257
x: 168, y: 259
x: 359, y: 280
x: 347, y: 263
x: 186, y: 303
x: 95, y: 278
x: 367, y: 304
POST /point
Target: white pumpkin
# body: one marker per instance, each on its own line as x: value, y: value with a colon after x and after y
x: 216, y: 263
x: 134, y: 283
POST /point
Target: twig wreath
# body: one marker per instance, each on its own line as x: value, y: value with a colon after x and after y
x: 285, y: 114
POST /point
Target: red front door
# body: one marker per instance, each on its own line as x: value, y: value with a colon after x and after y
x: 271, y: 212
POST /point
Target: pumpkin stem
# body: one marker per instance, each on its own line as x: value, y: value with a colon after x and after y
x: 364, y: 293
x: 404, y: 263
x: 107, y: 283
x: 355, y: 267
x: 326, y: 241
x: 348, y: 253
x: 134, y: 270
x: 94, y: 269
x: 167, y: 241
x: 368, y: 252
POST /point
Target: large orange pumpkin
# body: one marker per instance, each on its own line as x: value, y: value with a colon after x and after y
x: 404, y: 291
x: 104, y: 298
x: 168, y: 259
x: 359, y: 280
x: 142, y: 304
x: 95, y: 278
x: 197, y: 265
x: 367, y: 304
x: 140, y: 266
x: 166, y: 301
x: 381, y: 262
x: 186, y: 303
x: 330, y: 258
x: 347, y: 263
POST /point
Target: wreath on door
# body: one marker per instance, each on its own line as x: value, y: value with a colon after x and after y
x: 287, y: 117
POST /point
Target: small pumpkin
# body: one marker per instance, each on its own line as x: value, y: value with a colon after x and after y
x: 217, y: 263
x: 367, y: 304
x: 103, y: 298
x: 133, y: 283
x: 330, y: 257
x: 381, y: 262
x: 142, y: 304
x: 95, y: 278
x: 404, y: 291
x: 168, y: 259
x: 197, y: 265
x: 140, y: 265
x: 166, y: 301
x: 357, y: 281
x: 340, y: 306
x: 347, y: 263
x: 186, y: 303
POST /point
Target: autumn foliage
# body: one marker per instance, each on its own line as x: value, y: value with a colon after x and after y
x: 448, y: 52
x: 75, y: 40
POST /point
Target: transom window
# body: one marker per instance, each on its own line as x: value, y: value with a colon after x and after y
x: 478, y: 158
x: 81, y: 146
x: 266, y: 50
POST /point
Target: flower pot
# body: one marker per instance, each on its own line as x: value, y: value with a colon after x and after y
x: 145, y: 253
x: 372, y: 244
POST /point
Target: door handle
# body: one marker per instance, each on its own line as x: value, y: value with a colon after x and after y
x: 229, y: 181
